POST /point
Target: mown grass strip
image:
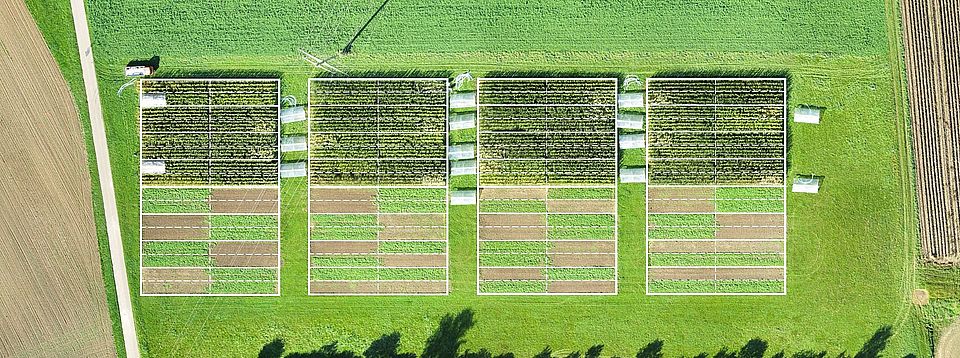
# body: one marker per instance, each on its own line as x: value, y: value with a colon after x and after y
x: 511, y: 260
x: 413, y: 274
x: 176, y: 261
x: 220, y: 233
x: 749, y: 286
x: 344, y: 233
x: 513, y: 206
x: 243, y: 287
x: 344, y: 220
x: 683, y: 286
x: 411, y: 247
x: 580, y: 193
x: 175, y: 247
x: 243, y: 220
x: 566, y: 233
x: 749, y: 193
x: 682, y: 233
x: 513, y: 286
x: 581, y: 220
x: 520, y: 247
x: 750, y: 206
x: 344, y: 261
x: 343, y: 273
x: 575, y: 274
x: 706, y: 220
x: 239, y: 274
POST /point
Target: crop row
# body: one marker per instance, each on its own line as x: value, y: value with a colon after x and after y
x: 377, y: 274
x: 349, y: 145
x: 551, y: 91
x: 548, y: 118
x: 716, y: 286
x: 580, y: 193
x: 209, y: 146
x: 381, y: 92
x: 715, y: 145
x: 543, y: 146
x: 204, y: 172
x: 719, y: 172
x: 209, y: 119
x: 729, y: 85
x: 710, y: 118
x: 493, y: 172
x: 714, y: 259
x: 201, y: 92
x: 371, y: 119
x: 377, y: 172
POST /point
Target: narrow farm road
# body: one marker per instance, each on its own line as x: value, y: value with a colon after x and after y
x: 106, y: 179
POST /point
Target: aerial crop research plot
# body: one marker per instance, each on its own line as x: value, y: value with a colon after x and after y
x: 547, y: 210
x: 378, y: 186
x: 209, y: 180
x: 716, y: 212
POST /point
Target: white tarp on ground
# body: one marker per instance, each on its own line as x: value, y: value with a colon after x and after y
x: 293, y: 114
x: 293, y: 170
x: 463, y: 121
x: 150, y: 100
x: 463, y: 197
x: 630, y: 100
x: 630, y: 120
x: 631, y: 141
x: 633, y: 175
x: 807, y: 115
x: 463, y: 167
x: 153, y: 167
x: 461, y: 152
x: 463, y: 100
x: 806, y: 185
x: 293, y: 143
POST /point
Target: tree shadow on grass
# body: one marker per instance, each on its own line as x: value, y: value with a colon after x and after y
x: 448, y: 338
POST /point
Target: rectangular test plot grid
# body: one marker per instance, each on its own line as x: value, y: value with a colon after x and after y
x: 716, y: 196
x: 547, y: 210
x: 209, y: 187
x: 378, y: 187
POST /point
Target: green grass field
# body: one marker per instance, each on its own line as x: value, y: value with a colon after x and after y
x: 850, y: 248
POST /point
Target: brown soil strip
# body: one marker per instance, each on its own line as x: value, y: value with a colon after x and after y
x: 773, y: 247
x: 660, y: 273
x: 559, y: 247
x: 496, y: 193
x: 343, y: 287
x: 414, y: 260
x: 513, y: 220
x: 513, y: 234
x: 749, y: 233
x: 581, y: 206
x: 580, y: 260
x: 343, y: 247
x: 175, y: 287
x: 53, y: 302
x: 175, y: 234
x: 153, y: 274
x: 413, y: 287
x: 253, y: 201
x: 511, y: 274
x: 750, y: 219
x: 680, y: 193
x: 245, y: 261
x: 413, y: 220
x: 174, y: 221
x: 404, y: 233
x: 681, y: 206
x: 338, y: 194
x: 582, y: 287
x: 749, y: 273
x: 345, y: 207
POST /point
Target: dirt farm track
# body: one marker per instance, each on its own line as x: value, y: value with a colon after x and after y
x: 53, y: 302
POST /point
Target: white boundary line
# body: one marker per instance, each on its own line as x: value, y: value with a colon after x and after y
x: 784, y: 186
x: 547, y: 188
x: 445, y: 187
x: 240, y: 187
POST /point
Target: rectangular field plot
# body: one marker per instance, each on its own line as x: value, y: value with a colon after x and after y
x: 547, y: 209
x: 209, y: 194
x: 716, y: 197
x: 378, y: 194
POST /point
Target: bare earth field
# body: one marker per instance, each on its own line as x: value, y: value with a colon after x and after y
x: 53, y: 302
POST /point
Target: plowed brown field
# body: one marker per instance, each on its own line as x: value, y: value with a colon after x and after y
x: 53, y: 302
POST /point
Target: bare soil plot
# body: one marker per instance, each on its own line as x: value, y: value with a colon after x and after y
x: 513, y: 233
x: 513, y: 220
x: 343, y: 247
x: 581, y: 206
x: 680, y: 206
x: 53, y: 301
x: 750, y: 233
x: 581, y: 286
x: 413, y: 233
x: 931, y: 44
x: 673, y: 193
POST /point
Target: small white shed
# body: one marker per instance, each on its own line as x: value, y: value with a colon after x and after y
x: 806, y: 184
x: 463, y: 197
x: 463, y: 167
x: 150, y: 100
x: 293, y: 143
x: 461, y: 152
x: 807, y: 115
x: 463, y: 100
x: 463, y: 121
x: 631, y: 120
x: 630, y: 100
x: 632, y: 141
x: 293, y: 114
x: 153, y: 167
x: 633, y: 175
x: 293, y: 170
